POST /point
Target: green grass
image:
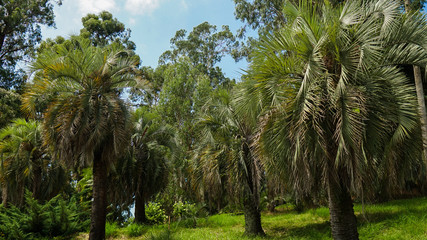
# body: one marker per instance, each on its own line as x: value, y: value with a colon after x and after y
x: 400, y: 219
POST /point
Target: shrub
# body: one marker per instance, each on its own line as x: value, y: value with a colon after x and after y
x: 155, y: 214
x: 183, y: 210
x: 57, y: 217
x: 186, y: 213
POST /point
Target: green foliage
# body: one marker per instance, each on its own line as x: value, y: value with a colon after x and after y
x: 154, y: 213
x: 111, y: 230
x: 185, y: 90
x: 77, y: 108
x: 296, y: 89
x: 187, y: 214
x: 134, y: 230
x: 163, y: 235
x: 183, y: 210
x: 204, y: 46
x: 84, y: 185
x: 9, y: 107
x: 86, y: 121
x: 103, y: 29
x: 57, y: 217
x: 20, y: 32
x: 268, y: 15
x: 26, y: 163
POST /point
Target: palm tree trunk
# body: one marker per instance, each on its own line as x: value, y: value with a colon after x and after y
x: 4, y: 194
x: 20, y: 195
x: 343, y: 220
x: 139, y: 195
x: 251, y: 207
x: 252, y: 218
x: 140, y: 208
x: 99, y: 204
x: 37, y: 178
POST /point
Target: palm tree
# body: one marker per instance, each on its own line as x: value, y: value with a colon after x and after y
x: 336, y: 106
x: 22, y: 158
x: 152, y: 142
x: 224, y: 148
x: 86, y: 120
x: 144, y: 171
x: 26, y: 163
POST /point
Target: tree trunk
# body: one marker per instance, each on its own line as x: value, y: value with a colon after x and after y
x: 139, y: 195
x: 343, y: 220
x: 420, y: 97
x: 251, y: 202
x: 21, y: 194
x: 140, y: 208
x: 4, y: 194
x: 2, y: 38
x: 252, y: 218
x: 37, y: 178
x: 99, y: 204
x: 421, y: 109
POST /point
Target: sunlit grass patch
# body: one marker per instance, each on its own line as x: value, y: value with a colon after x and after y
x: 400, y: 219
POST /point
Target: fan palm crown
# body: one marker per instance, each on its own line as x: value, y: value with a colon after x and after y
x: 85, y: 120
x: 336, y: 103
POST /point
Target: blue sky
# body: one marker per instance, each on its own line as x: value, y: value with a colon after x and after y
x: 153, y: 22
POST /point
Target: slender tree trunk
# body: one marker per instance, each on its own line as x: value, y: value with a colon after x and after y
x: 420, y: 97
x: 140, y: 208
x: 421, y: 109
x: 2, y: 38
x: 139, y: 195
x: 4, y: 194
x: 343, y: 220
x: 271, y: 194
x: 37, y: 180
x: 99, y: 204
x: 21, y: 194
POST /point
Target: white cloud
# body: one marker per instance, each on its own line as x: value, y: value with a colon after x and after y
x: 141, y: 6
x: 96, y: 6
x: 184, y: 4
x: 132, y: 21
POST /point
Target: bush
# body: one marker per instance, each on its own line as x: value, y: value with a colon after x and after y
x: 54, y: 218
x: 155, y: 214
x: 186, y: 213
x: 134, y: 230
x: 184, y: 210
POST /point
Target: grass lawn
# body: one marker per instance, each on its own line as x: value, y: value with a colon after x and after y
x: 400, y: 219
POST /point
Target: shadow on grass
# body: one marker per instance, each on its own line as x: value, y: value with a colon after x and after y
x: 393, y: 211
x: 309, y: 231
x: 395, y: 216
